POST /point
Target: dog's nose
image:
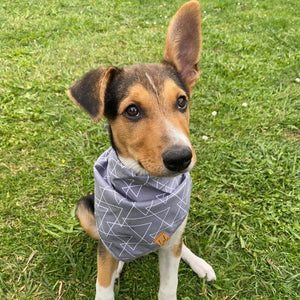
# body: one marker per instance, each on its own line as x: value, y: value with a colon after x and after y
x: 177, y: 158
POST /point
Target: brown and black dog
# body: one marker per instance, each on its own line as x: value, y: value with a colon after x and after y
x: 147, y: 108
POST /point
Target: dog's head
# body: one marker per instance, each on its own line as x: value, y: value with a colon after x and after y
x: 147, y: 105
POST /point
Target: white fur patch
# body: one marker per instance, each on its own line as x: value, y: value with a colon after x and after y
x: 152, y: 85
x: 198, y: 265
x: 175, y: 238
x: 120, y: 268
x: 168, y: 266
x: 176, y: 136
x: 106, y: 293
x: 130, y: 163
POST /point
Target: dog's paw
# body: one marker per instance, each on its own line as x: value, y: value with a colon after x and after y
x: 203, y: 269
x: 104, y: 293
x: 198, y: 265
x: 166, y: 296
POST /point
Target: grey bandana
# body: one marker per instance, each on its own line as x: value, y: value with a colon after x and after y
x: 135, y: 215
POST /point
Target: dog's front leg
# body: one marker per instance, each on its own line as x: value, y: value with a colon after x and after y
x: 169, y: 258
x: 106, y: 273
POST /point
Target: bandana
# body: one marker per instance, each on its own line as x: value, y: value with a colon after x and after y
x: 135, y: 215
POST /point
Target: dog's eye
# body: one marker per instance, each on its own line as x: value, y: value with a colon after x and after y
x: 181, y: 103
x: 132, y: 112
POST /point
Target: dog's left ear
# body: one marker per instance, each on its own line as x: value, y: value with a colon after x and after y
x: 183, y: 42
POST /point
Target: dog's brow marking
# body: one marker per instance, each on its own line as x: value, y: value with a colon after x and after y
x: 153, y: 86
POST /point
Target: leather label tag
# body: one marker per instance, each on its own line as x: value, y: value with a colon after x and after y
x: 161, y: 239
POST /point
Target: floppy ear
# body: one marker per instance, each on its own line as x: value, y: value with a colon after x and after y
x: 89, y: 91
x: 183, y: 42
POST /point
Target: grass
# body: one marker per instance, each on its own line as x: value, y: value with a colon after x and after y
x: 244, y: 216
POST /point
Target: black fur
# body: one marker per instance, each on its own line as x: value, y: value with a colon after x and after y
x: 111, y: 137
x: 86, y: 92
x: 88, y: 203
x: 118, y: 88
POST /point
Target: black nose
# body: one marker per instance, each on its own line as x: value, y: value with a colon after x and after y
x: 177, y: 158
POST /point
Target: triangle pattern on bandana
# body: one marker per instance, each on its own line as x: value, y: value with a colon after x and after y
x: 133, y: 189
x: 135, y: 215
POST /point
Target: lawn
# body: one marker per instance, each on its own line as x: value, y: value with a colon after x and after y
x: 244, y: 217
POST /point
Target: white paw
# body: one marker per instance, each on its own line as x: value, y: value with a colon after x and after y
x: 104, y: 296
x: 198, y: 265
x: 166, y: 296
x: 203, y: 269
x: 103, y: 293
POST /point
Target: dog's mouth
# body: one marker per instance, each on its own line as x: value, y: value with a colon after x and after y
x: 172, y: 162
x: 141, y: 165
x: 166, y: 172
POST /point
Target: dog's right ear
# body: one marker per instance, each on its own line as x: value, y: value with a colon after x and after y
x: 89, y: 91
x: 183, y: 42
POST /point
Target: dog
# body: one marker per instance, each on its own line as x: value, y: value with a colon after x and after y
x: 142, y: 183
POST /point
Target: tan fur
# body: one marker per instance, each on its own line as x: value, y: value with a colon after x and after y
x: 146, y: 140
x: 177, y: 250
x: 103, y: 85
x: 106, y: 266
x: 183, y: 44
x: 87, y: 221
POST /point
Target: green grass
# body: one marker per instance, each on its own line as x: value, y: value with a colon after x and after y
x: 245, y: 200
